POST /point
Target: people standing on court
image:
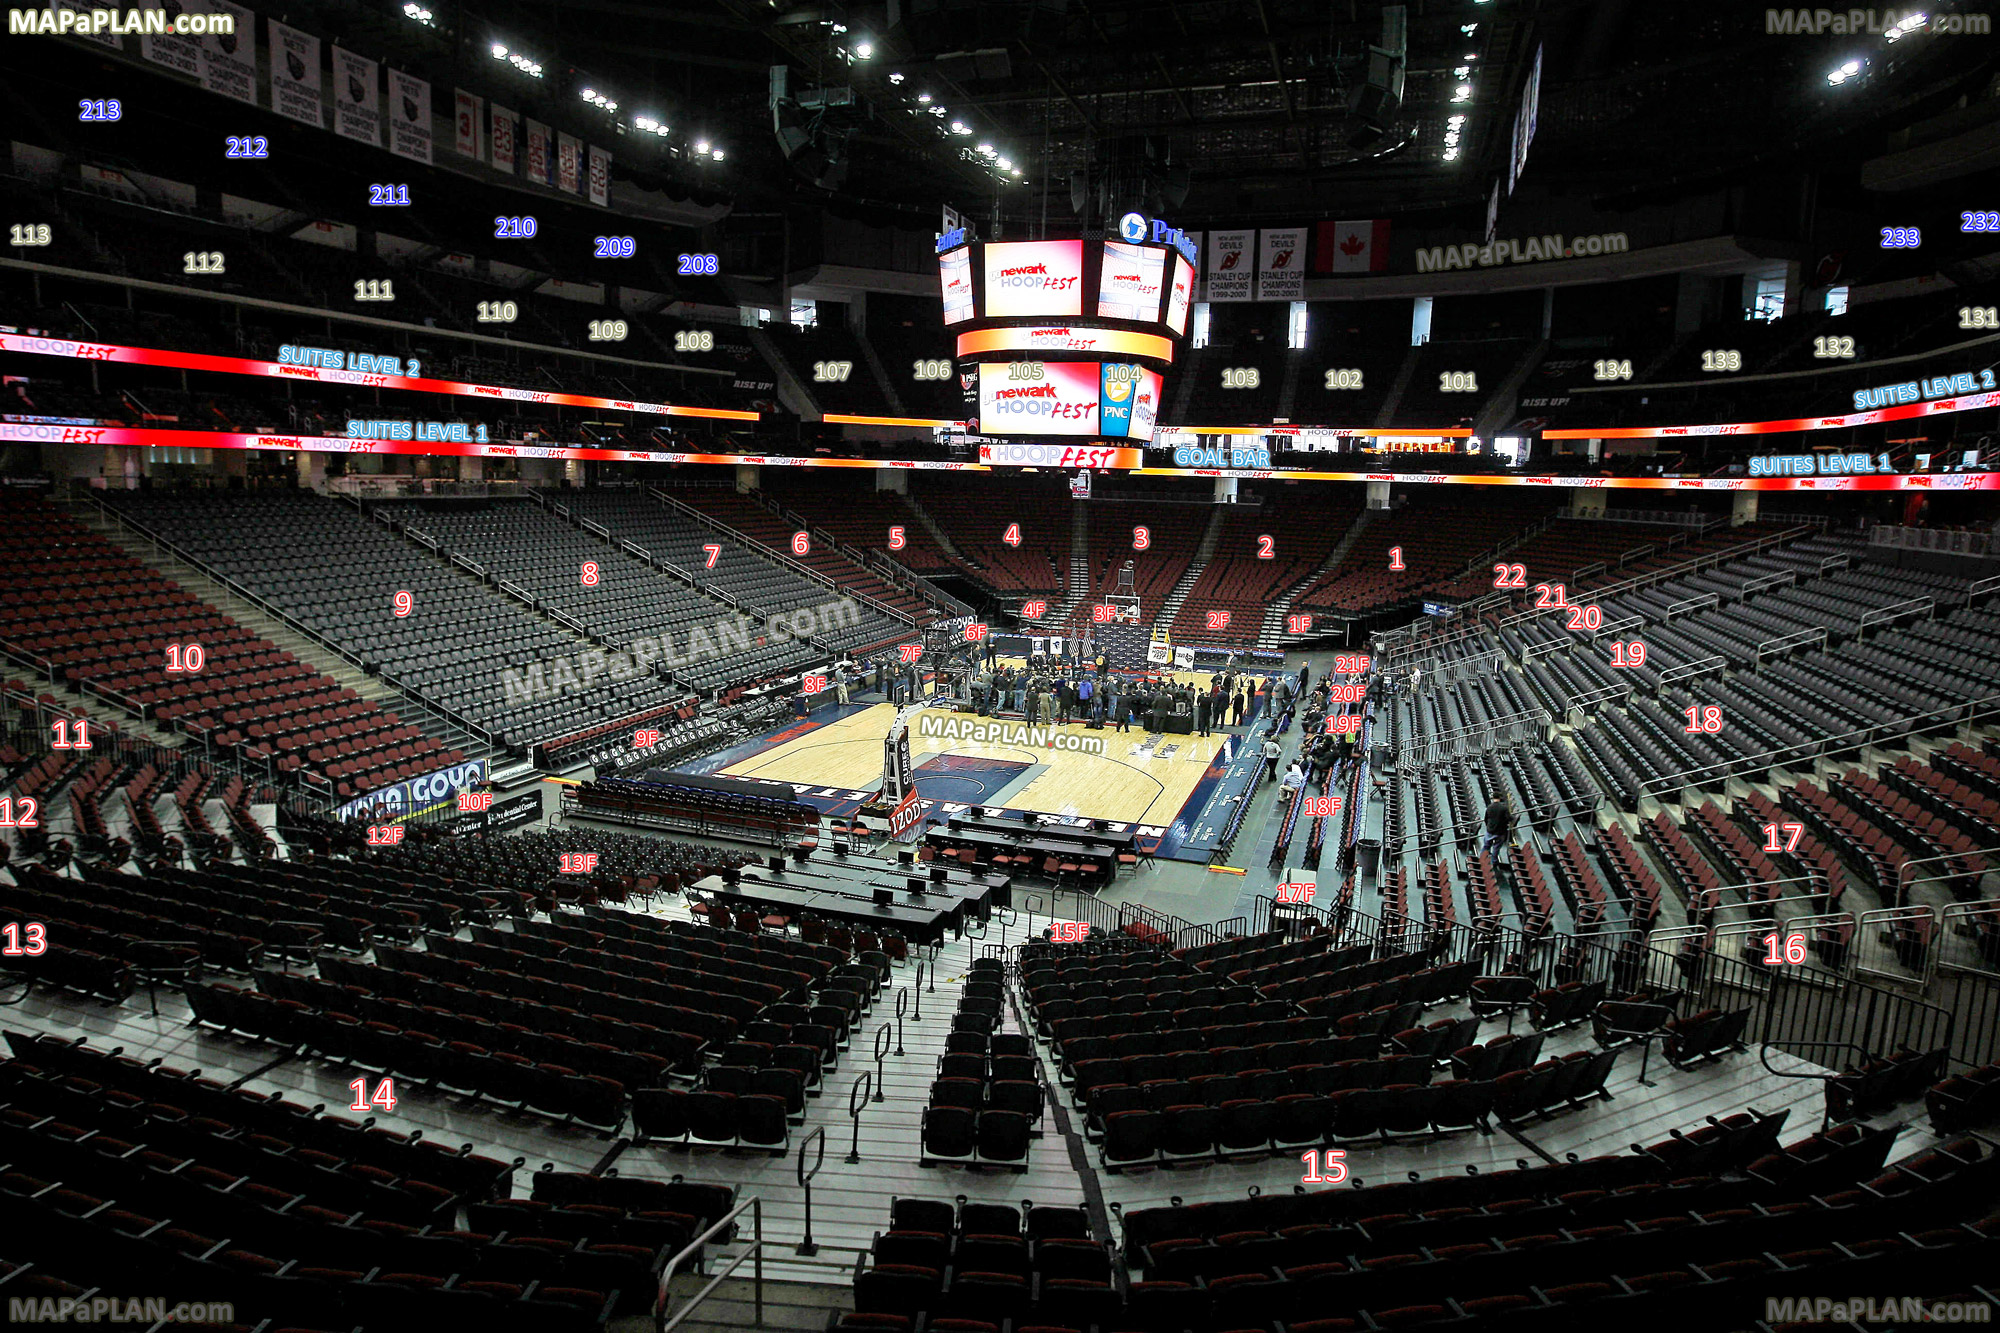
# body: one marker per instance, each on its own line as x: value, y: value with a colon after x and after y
x: 1201, y: 716
x: 1236, y: 709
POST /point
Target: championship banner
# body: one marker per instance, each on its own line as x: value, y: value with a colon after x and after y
x: 1352, y: 247
x: 357, y: 107
x: 229, y: 60
x: 409, y: 116
x: 600, y: 177
x: 569, y: 165
x: 182, y: 55
x: 83, y: 29
x: 503, y: 139
x: 1231, y: 265
x: 538, y: 152
x: 1281, y: 264
x: 466, y: 123
x: 295, y: 75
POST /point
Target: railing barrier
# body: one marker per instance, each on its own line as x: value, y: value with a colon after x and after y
x: 755, y: 1252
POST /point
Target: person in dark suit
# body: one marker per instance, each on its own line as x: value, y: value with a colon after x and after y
x: 1201, y: 711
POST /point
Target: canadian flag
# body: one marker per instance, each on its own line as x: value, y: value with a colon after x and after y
x: 1354, y: 247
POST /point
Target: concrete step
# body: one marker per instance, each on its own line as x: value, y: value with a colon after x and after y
x: 787, y: 1305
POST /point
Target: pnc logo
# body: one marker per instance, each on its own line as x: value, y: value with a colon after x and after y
x: 1132, y: 227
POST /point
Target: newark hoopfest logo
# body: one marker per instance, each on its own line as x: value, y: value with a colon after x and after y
x: 1132, y: 227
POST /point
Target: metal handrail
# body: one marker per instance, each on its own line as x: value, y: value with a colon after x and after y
x: 1903, y: 880
x: 755, y: 1204
x: 808, y: 1246
x: 857, y: 1097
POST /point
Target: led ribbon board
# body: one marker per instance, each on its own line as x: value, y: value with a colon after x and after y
x: 236, y: 365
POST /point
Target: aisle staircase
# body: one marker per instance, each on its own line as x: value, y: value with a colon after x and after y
x: 1170, y: 606
x: 1272, y: 634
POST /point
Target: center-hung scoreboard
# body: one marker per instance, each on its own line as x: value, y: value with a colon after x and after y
x: 1067, y: 338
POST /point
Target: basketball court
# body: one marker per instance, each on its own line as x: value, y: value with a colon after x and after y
x: 962, y: 759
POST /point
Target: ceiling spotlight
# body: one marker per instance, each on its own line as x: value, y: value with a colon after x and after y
x: 1451, y: 154
x: 839, y: 28
x: 499, y: 51
x: 937, y: 111
x: 1005, y: 165
x: 986, y: 149
x: 1909, y: 24
x: 702, y: 148
x: 1462, y: 72
x: 1017, y: 171
x: 1844, y: 73
x: 417, y: 12
x: 589, y: 95
x: 610, y: 106
x: 1467, y: 29
x: 1462, y: 93
x: 924, y: 97
x: 716, y: 155
x: 958, y: 127
x: 895, y: 78
x: 863, y: 50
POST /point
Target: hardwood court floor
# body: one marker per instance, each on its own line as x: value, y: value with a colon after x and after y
x: 1131, y: 782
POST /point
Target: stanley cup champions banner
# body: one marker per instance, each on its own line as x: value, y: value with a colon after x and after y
x: 1281, y: 264
x: 1231, y: 265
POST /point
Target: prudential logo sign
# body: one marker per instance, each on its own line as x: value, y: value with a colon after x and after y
x: 1132, y: 227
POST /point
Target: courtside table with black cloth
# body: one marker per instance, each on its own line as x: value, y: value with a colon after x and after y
x: 922, y: 921
x: 980, y: 893
x: 1117, y: 842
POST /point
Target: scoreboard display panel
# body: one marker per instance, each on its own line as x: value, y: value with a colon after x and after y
x: 1068, y: 338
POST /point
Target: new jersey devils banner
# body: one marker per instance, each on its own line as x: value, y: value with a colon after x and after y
x: 1231, y: 265
x: 1281, y: 264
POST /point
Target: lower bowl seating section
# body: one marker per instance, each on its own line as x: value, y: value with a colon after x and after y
x: 758, y: 1088
x: 987, y: 1099
x: 1966, y: 1100
x: 181, y: 1183
x: 561, y: 1020
x: 1701, y: 1226
x: 1299, y: 1046
x: 987, y: 1265
x: 108, y: 620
